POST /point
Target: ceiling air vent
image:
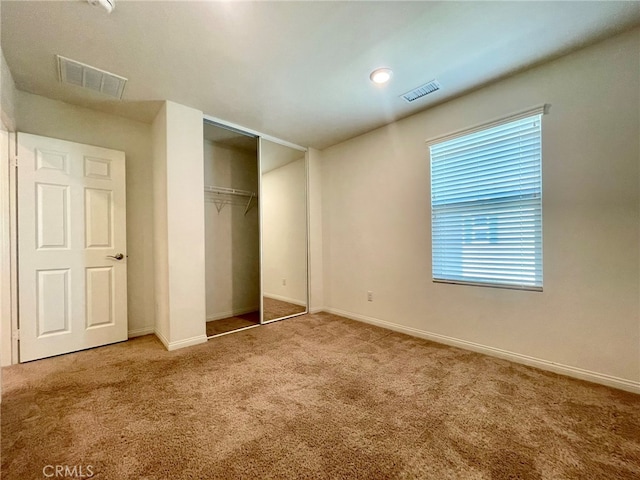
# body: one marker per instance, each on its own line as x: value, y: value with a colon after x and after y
x: 86, y: 76
x: 421, y: 91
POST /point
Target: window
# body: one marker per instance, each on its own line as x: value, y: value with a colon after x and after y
x: 486, y: 204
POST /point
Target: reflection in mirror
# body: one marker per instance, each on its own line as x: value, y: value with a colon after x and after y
x: 232, y: 245
x: 283, y: 206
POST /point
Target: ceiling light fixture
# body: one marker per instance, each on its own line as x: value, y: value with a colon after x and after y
x: 381, y: 76
x: 108, y: 5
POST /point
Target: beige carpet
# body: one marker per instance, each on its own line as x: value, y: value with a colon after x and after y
x: 277, y: 308
x: 315, y: 397
x: 215, y: 327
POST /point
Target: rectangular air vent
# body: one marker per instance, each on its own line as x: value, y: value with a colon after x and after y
x: 421, y: 91
x: 86, y: 76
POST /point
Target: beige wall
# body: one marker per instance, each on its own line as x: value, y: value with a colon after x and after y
x: 7, y: 95
x: 231, y: 237
x: 160, y: 239
x: 51, y: 118
x: 376, y: 222
x: 179, y: 212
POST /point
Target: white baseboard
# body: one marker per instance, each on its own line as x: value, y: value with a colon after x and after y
x: 317, y: 310
x: 232, y: 313
x: 285, y: 299
x: 187, y: 342
x: 582, y: 374
x: 162, y: 338
x: 138, y: 332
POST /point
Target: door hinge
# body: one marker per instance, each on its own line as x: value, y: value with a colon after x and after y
x: 16, y: 335
x: 15, y: 162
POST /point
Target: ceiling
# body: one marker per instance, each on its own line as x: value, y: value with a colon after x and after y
x: 298, y: 71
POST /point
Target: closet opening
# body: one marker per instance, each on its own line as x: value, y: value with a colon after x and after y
x: 232, y: 230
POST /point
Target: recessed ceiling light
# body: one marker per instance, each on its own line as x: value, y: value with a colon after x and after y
x: 381, y: 76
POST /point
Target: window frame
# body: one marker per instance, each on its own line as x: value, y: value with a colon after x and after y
x: 536, y: 111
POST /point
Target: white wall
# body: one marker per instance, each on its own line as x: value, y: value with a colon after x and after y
x: 52, y: 118
x: 160, y: 236
x: 284, y: 232
x: 232, y: 247
x: 179, y: 211
x: 376, y: 222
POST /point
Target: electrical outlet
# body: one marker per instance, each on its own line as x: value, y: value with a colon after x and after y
x: 370, y: 296
x: 284, y: 282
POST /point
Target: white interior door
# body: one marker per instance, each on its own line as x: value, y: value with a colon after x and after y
x: 71, y: 246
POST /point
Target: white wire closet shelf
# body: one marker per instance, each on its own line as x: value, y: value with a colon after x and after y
x: 221, y: 196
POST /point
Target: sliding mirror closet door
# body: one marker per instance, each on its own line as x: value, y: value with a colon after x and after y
x: 283, y: 206
x: 232, y: 233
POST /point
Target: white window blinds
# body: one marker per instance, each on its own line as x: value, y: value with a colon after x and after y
x: 486, y: 205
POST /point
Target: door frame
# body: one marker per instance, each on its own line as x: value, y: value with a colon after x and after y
x: 9, y: 260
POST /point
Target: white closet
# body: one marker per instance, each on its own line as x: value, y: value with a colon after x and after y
x: 255, y: 230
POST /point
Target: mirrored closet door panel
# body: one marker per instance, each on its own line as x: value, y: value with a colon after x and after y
x: 232, y: 235
x: 283, y: 209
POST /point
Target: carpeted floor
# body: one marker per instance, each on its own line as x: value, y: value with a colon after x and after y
x: 215, y: 327
x: 277, y: 308
x: 315, y: 397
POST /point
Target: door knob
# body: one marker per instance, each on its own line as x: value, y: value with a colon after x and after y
x: 117, y: 256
